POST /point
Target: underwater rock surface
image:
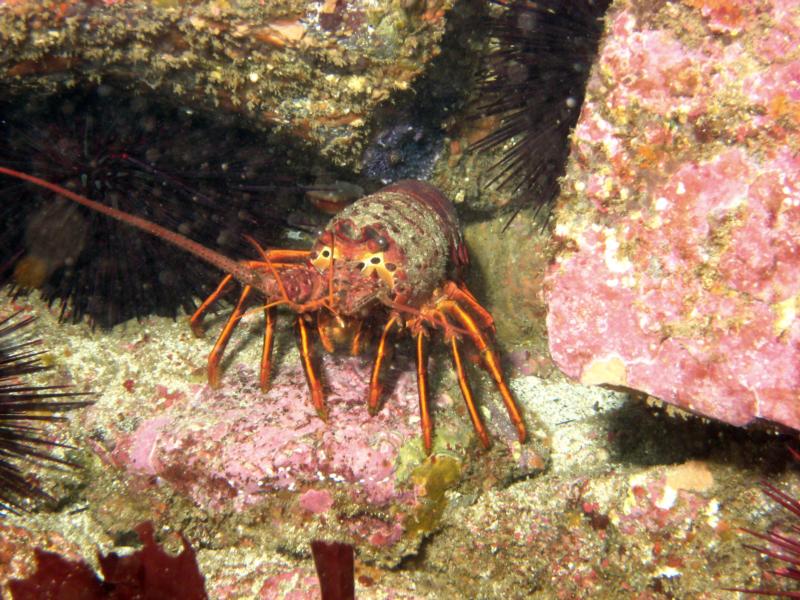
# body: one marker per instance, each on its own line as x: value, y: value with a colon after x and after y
x: 233, y: 445
x: 236, y: 450
x: 315, y: 69
x: 633, y: 503
x: 679, y: 273
x: 251, y: 478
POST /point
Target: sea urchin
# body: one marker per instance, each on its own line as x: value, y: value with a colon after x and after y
x: 188, y: 172
x: 534, y: 82
x: 24, y: 408
x: 783, y: 542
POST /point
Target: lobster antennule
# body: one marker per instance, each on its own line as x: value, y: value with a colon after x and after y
x: 210, y: 256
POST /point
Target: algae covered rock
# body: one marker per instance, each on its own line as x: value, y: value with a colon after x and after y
x: 316, y: 69
x: 679, y: 272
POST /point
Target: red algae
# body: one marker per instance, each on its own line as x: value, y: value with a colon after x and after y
x: 147, y: 573
x: 334, y: 564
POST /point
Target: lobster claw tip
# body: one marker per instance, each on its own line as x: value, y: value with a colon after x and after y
x: 373, y: 402
x: 522, y: 435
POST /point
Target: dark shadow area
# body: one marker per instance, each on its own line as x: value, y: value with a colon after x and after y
x: 647, y: 435
x: 532, y: 83
x: 206, y: 176
x: 410, y: 130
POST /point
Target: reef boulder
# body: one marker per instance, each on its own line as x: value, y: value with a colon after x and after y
x: 317, y: 70
x: 679, y: 223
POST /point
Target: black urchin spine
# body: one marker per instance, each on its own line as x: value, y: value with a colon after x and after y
x: 24, y: 410
x: 535, y: 82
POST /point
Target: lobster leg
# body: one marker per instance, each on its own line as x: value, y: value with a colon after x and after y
x: 422, y: 385
x: 358, y: 339
x: 466, y: 392
x: 196, y: 321
x: 322, y: 330
x: 266, y: 350
x: 219, y: 347
x: 490, y: 361
x: 375, y: 387
x: 314, y: 384
x: 461, y: 294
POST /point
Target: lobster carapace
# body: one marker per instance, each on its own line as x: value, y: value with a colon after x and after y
x: 394, y: 257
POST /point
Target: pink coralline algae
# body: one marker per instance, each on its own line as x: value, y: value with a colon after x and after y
x: 680, y: 269
x: 232, y: 446
x: 294, y: 585
x: 316, y: 501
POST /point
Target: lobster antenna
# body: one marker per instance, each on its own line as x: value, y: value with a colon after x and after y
x: 272, y: 269
x: 210, y: 256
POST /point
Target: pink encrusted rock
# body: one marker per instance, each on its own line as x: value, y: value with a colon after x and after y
x: 294, y: 585
x: 680, y: 270
x: 232, y: 446
x: 316, y: 501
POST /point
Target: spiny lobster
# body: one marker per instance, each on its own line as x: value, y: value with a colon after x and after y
x: 397, y: 255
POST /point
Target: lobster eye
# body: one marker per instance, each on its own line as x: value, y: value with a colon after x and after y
x: 346, y: 229
x: 379, y: 240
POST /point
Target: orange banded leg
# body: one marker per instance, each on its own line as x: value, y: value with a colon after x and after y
x: 323, y: 319
x: 491, y: 363
x: 278, y: 254
x: 262, y: 265
x: 422, y: 385
x: 466, y: 392
x: 375, y: 387
x: 266, y: 350
x: 196, y: 321
x: 358, y: 339
x: 460, y: 293
x: 314, y: 384
x: 219, y: 347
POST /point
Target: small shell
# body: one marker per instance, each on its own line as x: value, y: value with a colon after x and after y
x: 332, y: 198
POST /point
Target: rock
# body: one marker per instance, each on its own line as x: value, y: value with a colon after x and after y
x: 629, y: 496
x: 507, y: 265
x: 236, y: 448
x: 239, y: 455
x: 315, y: 69
x: 679, y: 271
x: 234, y: 445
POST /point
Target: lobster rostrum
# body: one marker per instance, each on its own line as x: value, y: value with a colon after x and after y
x: 394, y: 257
